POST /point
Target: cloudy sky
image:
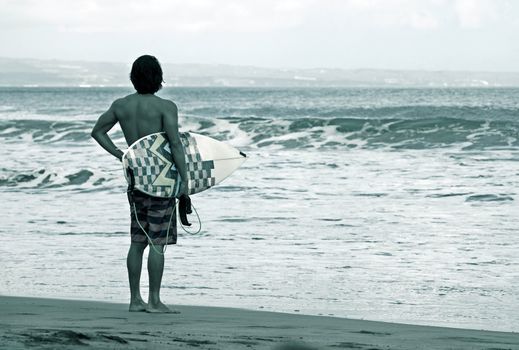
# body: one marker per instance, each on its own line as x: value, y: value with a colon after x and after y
x: 394, y: 34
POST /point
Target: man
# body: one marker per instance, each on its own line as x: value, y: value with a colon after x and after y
x: 141, y: 114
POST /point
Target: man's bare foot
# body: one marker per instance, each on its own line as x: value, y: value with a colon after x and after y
x: 160, y: 308
x: 138, y: 306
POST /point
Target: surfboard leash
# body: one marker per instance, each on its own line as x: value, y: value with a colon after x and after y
x: 187, y: 203
x: 169, y: 226
x: 198, y: 218
x: 146, y: 233
x: 129, y: 193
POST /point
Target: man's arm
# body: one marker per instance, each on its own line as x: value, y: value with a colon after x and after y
x: 100, y: 131
x: 170, y: 122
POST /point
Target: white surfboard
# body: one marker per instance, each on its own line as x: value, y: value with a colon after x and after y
x: 208, y: 162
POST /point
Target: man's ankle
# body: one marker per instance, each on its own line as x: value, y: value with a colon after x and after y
x: 154, y: 300
x: 137, y: 299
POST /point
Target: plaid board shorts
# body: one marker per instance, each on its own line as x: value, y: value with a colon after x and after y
x: 154, y: 215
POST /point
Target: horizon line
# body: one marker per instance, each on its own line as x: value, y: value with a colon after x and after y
x: 429, y: 70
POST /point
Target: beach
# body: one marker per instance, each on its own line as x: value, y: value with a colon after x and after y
x: 69, y: 324
x: 384, y: 204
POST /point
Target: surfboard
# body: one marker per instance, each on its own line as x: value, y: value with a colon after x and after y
x: 150, y: 162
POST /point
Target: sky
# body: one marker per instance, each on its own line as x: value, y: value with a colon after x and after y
x: 476, y: 35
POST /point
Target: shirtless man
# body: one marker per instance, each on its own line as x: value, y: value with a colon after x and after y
x: 141, y: 114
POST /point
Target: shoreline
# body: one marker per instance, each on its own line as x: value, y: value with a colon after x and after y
x: 29, y: 322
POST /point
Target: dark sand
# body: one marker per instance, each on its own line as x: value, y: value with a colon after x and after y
x: 36, y: 323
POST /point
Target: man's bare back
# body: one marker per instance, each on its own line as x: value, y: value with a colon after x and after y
x: 140, y: 115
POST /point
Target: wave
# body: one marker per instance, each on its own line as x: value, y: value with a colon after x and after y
x: 292, y: 110
x: 44, y: 130
x: 396, y: 132
x: 44, y: 179
x: 489, y: 198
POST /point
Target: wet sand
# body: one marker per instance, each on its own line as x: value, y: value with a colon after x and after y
x: 28, y: 323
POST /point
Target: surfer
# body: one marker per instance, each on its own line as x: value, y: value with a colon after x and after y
x: 140, y: 114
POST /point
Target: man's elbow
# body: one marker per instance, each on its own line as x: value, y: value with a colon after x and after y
x: 94, y: 134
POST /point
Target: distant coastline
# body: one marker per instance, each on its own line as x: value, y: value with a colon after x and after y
x: 26, y: 72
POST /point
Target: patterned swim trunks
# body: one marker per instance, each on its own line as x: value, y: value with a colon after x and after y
x: 154, y: 216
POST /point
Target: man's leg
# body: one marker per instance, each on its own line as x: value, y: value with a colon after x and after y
x: 155, y: 270
x: 134, y: 265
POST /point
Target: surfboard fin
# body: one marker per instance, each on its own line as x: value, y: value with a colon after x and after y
x: 184, y: 208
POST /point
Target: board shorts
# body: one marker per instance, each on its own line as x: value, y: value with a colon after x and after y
x: 154, y: 215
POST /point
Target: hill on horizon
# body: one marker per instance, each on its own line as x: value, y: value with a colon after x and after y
x: 36, y: 72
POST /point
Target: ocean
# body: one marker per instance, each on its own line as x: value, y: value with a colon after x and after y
x: 388, y: 204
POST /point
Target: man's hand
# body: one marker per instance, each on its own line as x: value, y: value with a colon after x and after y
x: 119, y: 155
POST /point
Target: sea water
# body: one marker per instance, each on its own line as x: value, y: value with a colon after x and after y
x: 381, y: 204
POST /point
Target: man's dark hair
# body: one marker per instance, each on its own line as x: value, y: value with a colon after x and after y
x: 146, y: 75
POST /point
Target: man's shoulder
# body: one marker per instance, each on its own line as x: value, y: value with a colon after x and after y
x: 168, y: 103
x: 160, y: 104
x: 121, y: 102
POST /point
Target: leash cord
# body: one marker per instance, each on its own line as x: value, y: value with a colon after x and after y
x: 192, y: 233
x: 146, y: 233
x: 169, y: 226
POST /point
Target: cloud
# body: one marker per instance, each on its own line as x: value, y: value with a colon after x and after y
x: 473, y: 13
x: 191, y: 16
x: 392, y: 14
x: 244, y: 16
x: 342, y: 33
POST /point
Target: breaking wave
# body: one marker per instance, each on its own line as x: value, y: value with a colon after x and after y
x: 399, y: 131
